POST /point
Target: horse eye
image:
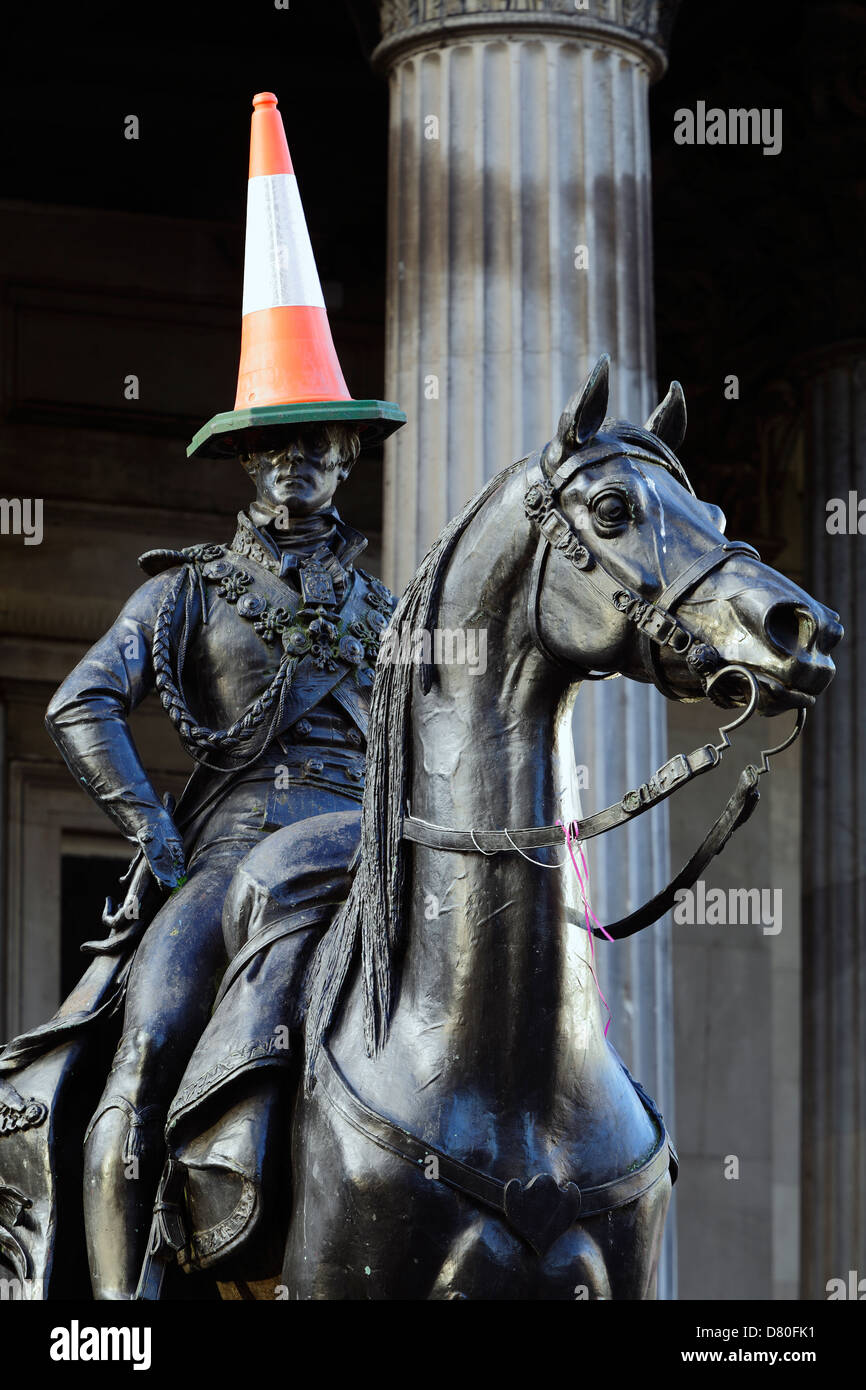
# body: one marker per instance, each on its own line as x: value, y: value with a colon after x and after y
x: 611, y: 509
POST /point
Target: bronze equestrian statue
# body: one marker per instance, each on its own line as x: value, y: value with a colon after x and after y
x: 333, y: 1091
x: 465, y: 1129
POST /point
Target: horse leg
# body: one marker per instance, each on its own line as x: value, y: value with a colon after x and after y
x: 486, y: 1261
x: 365, y: 1224
x: 612, y: 1256
x: 636, y: 1233
x: 489, y: 1262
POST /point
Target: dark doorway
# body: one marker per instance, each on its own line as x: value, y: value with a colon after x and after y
x: 86, y: 880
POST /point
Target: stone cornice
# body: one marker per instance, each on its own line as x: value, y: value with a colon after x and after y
x: 641, y: 27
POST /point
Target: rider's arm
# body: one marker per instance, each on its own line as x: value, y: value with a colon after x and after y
x: 87, y: 719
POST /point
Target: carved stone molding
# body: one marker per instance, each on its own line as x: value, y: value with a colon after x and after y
x: 642, y: 26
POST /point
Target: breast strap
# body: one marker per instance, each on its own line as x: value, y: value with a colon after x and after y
x: 541, y: 1210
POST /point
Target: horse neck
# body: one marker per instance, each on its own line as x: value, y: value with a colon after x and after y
x: 496, y: 952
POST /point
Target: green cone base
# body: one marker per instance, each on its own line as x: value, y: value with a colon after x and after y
x: 261, y: 427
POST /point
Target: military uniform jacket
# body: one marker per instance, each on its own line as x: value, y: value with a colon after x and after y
x: 259, y: 655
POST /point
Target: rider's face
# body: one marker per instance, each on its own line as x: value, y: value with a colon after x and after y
x: 302, y: 475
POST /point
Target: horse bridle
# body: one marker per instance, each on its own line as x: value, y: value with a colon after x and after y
x: 654, y: 619
x: 658, y: 627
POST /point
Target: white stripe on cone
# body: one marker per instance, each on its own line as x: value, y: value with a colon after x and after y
x: 279, y: 266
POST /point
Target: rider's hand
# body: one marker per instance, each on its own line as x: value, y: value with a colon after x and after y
x: 163, y: 850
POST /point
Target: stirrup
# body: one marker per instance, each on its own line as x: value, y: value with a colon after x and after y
x: 168, y: 1236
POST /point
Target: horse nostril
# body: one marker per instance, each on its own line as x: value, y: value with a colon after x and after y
x: 790, y: 627
x: 830, y: 634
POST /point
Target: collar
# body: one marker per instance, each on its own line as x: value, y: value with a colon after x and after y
x: 302, y: 534
x: 260, y: 543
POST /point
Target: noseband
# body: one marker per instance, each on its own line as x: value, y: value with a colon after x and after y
x: 655, y: 621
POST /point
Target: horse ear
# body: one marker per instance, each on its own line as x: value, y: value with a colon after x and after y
x: 668, y: 420
x: 583, y: 416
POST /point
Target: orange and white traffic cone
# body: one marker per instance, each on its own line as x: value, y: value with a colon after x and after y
x: 289, y: 370
x: 287, y: 352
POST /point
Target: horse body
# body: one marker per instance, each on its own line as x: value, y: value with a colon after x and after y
x: 496, y: 1051
x: 493, y: 1050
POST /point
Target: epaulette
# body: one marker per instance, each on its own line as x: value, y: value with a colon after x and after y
x: 155, y: 561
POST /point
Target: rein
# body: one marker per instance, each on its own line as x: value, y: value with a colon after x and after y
x: 675, y: 773
x: 657, y: 627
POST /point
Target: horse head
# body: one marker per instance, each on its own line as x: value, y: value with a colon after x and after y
x: 666, y: 597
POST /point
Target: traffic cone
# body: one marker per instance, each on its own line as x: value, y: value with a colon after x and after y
x: 289, y: 370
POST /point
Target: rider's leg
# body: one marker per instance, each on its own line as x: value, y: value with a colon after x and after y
x: 172, y: 984
x: 227, y: 1125
x: 298, y: 875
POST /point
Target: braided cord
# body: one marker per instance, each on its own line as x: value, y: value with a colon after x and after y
x: 198, y: 739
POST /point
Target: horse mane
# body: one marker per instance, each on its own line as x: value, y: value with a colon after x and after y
x: 374, y: 914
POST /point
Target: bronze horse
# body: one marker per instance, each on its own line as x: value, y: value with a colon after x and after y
x: 466, y: 1130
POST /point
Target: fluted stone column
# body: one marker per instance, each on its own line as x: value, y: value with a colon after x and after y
x: 833, y: 1220
x: 519, y: 249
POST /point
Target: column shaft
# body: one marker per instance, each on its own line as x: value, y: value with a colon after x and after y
x: 519, y: 250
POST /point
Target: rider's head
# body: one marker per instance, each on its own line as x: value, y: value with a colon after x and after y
x: 304, y: 472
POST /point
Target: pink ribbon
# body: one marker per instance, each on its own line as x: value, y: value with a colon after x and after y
x: 587, y: 910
